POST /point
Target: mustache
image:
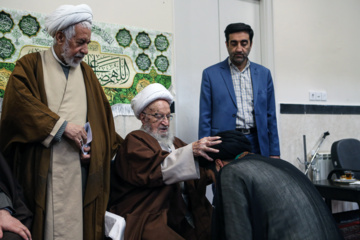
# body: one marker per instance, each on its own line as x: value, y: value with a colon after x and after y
x: 79, y: 55
x: 164, y: 127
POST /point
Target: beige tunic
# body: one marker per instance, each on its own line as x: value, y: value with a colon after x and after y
x: 67, y: 98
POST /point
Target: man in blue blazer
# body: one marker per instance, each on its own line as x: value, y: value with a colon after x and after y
x: 239, y: 94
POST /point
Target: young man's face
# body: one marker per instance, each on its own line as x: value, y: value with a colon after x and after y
x: 239, y: 47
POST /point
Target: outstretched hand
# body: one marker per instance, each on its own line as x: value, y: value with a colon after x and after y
x: 203, y: 145
x: 11, y: 224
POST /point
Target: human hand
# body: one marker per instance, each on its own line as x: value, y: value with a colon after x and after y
x: 203, y: 145
x: 76, y: 133
x: 11, y: 224
x: 278, y: 157
x: 85, y: 158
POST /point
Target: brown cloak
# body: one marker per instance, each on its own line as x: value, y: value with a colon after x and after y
x: 152, y: 209
x: 26, y: 121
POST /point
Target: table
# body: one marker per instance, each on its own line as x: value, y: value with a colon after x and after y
x: 337, y: 191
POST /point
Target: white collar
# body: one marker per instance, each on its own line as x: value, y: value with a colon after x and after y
x: 56, y: 57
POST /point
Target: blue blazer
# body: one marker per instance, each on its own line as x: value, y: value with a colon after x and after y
x: 218, y: 107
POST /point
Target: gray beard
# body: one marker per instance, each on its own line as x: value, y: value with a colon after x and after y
x: 70, y: 61
x: 163, y: 140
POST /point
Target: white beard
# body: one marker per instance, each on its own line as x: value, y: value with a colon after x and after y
x: 68, y: 59
x: 163, y: 140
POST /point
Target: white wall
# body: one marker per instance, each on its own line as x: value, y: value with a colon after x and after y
x: 151, y: 14
x: 200, y: 43
x: 316, y: 48
x: 197, y: 47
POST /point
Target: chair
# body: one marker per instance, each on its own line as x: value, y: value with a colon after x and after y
x: 345, y: 155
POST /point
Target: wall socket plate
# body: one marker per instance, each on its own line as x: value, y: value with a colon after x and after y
x: 317, y: 95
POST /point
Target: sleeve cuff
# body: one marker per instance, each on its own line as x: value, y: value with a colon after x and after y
x: 54, y: 131
x: 58, y: 135
x: 5, y: 203
x: 180, y: 165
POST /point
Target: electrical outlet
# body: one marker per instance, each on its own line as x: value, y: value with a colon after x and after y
x: 312, y: 96
x: 318, y: 96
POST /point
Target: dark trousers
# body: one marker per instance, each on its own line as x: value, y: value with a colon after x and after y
x: 253, y: 138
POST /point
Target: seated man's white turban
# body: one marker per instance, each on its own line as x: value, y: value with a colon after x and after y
x: 65, y: 16
x: 149, y: 94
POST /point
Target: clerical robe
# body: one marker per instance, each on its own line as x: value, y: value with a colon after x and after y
x: 13, y: 191
x: 152, y: 208
x: 27, y: 121
x: 269, y: 199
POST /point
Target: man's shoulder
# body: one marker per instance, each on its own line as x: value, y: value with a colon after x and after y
x: 138, y: 134
x: 218, y: 65
x: 86, y: 66
x: 89, y: 72
x: 141, y: 135
x: 30, y: 57
x: 259, y: 67
x: 179, y: 143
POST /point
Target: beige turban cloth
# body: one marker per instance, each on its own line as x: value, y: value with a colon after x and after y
x: 149, y: 94
x: 67, y: 15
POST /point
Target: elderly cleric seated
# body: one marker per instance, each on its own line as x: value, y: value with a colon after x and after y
x: 157, y: 185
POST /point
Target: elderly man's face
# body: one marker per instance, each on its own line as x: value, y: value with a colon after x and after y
x: 156, y: 117
x: 75, y: 49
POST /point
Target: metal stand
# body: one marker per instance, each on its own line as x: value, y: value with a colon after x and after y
x: 308, y: 166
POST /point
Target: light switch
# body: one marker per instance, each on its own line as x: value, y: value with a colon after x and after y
x: 323, y: 96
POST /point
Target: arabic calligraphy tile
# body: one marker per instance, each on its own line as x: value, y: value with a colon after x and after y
x: 143, y: 61
x: 6, y: 22
x: 6, y: 48
x: 162, y: 63
x: 143, y: 40
x: 29, y: 25
x: 123, y: 37
x: 161, y: 43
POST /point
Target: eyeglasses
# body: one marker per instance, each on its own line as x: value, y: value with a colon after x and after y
x: 160, y: 117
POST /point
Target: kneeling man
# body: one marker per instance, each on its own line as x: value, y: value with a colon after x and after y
x: 264, y: 198
x: 157, y: 185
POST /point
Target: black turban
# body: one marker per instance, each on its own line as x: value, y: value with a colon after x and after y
x: 233, y: 143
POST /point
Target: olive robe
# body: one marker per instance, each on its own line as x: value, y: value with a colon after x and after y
x: 152, y: 209
x: 26, y: 121
x: 269, y: 199
x: 12, y: 189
